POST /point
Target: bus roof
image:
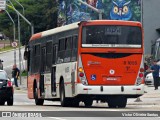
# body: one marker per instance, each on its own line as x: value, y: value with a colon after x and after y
x: 55, y: 30
x: 75, y: 25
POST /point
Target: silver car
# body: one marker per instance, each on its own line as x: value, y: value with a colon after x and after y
x: 149, y: 79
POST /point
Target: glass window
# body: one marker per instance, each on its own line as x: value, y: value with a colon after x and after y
x: 68, y: 43
x: 115, y: 35
x: 61, y: 45
x: 49, y: 47
x: 37, y: 50
x: 75, y: 41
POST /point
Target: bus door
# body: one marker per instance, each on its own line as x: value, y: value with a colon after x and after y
x: 43, y: 64
x: 53, y: 79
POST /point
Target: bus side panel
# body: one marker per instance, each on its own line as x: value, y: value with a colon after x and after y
x: 31, y: 80
x: 67, y: 71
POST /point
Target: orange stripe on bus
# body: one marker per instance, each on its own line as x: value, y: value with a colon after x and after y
x: 36, y: 36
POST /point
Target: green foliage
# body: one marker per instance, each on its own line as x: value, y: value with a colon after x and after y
x: 41, y: 13
x: 24, y: 73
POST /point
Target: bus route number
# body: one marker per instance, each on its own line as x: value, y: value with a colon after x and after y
x: 130, y: 62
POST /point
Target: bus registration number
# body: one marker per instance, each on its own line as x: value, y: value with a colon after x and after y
x: 112, y: 78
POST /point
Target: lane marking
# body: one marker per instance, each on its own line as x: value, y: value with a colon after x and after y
x: 57, y: 118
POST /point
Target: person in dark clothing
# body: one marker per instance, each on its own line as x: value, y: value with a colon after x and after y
x: 15, y: 74
x: 155, y: 72
x: 1, y: 64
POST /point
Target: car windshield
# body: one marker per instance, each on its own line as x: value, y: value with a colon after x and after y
x: 3, y: 75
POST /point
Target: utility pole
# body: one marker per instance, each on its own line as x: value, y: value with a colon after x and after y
x: 20, y: 5
x: 13, y: 34
x: 19, y: 43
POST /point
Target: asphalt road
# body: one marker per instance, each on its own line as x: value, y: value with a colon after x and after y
x: 8, y: 58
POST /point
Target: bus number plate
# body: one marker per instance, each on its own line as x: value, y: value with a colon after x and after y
x: 112, y: 78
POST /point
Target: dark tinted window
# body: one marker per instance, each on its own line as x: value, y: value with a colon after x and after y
x: 37, y: 50
x: 49, y: 47
x: 68, y: 43
x: 125, y: 35
x: 75, y: 41
x: 61, y: 45
x: 49, y: 56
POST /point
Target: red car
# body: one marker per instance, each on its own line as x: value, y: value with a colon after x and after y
x: 6, y: 89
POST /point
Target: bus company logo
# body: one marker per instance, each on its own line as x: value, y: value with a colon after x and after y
x: 112, y: 72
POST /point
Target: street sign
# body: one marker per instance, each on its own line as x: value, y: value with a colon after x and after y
x: 2, y: 4
x: 14, y: 44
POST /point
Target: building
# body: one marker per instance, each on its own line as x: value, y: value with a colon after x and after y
x: 151, y: 23
x: 145, y: 11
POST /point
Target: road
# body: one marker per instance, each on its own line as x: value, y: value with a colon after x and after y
x: 8, y: 59
x: 150, y: 102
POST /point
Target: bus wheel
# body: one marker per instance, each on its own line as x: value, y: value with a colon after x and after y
x: 75, y: 103
x: 117, y: 101
x: 64, y: 101
x: 2, y: 102
x: 88, y: 102
x: 111, y: 104
x: 122, y: 102
x: 37, y: 100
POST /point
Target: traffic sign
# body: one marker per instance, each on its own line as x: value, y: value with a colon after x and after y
x: 2, y: 4
x: 14, y: 44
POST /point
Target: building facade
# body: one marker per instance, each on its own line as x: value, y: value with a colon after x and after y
x: 151, y: 23
x: 145, y: 11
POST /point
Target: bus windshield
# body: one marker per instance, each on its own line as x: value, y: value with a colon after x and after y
x: 111, y: 36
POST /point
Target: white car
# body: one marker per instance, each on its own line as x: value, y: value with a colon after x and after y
x: 149, y: 79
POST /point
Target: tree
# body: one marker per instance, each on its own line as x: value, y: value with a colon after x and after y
x: 41, y: 13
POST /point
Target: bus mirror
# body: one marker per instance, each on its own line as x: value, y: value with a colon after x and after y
x: 25, y: 55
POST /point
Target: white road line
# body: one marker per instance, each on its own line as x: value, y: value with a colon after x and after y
x: 56, y: 118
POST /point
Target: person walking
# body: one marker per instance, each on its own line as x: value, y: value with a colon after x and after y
x: 1, y: 64
x: 15, y: 74
x: 155, y: 72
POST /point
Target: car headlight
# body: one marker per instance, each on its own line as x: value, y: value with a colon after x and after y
x: 149, y: 77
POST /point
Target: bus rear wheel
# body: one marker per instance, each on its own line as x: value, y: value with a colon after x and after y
x: 88, y: 102
x: 117, y: 102
x: 37, y: 100
x: 64, y: 101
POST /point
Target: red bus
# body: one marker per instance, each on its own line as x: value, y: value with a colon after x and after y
x: 87, y: 61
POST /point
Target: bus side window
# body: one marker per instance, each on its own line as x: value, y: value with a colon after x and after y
x: 61, y: 50
x: 36, y: 58
x: 49, y: 56
x: 61, y: 44
x: 68, y: 44
x: 74, y: 48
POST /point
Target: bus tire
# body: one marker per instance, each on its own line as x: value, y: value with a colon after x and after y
x: 123, y: 102
x: 64, y: 101
x: 88, y: 102
x: 2, y: 102
x: 37, y: 100
x: 117, y: 102
x: 75, y: 103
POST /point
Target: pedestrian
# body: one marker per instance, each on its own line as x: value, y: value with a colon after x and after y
x: 15, y: 74
x: 155, y: 72
x: 1, y: 64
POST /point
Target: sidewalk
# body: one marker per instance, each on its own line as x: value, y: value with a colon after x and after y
x: 152, y: 97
